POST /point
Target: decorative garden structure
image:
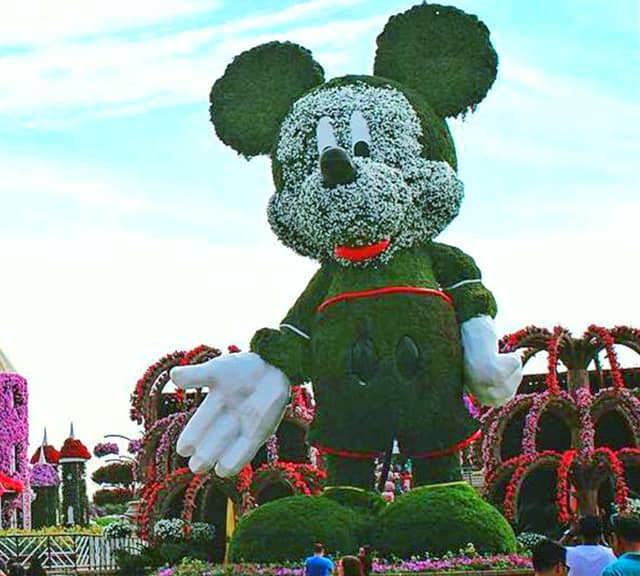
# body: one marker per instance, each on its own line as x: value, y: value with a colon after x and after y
x: 45, y: 482
x: 73, y: 458
x: 283, y: 467
x: 569, y: 443
x: 15, y: 492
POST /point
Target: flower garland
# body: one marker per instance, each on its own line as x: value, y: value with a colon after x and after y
x: 617, y: 467
x: 166, y: 446
x: 300, y: 408
x: 244, y: 479
x: 303, y: 478
x: 553, y: 347
x: 524, y: 464
x: 153, y: 492
x: 586, y: 436
x: 190, y: 494
x: 608, y: 341
x: 140, y: 395
x: 562, y: 488
x: 272, y: 449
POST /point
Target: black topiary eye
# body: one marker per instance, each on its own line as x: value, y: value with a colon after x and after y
x: 360, y: 136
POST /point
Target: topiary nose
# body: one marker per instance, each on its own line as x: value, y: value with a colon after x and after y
x: 336, y: 167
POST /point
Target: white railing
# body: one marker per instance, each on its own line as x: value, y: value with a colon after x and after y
x: 67, y: 552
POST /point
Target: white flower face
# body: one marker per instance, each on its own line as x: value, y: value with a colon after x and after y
x: 397, y: 195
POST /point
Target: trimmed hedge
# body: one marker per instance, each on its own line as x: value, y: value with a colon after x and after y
x: 442, y: 518
x: 286, y: 529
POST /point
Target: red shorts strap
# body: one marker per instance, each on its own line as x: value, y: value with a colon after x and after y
x: 386, y: 290
x: 447, y: 451
x: 347, y: 453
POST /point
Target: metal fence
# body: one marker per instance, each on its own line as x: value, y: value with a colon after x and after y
x: 67, y: 553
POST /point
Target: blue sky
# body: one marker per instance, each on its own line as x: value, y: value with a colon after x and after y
x: 129, y: 231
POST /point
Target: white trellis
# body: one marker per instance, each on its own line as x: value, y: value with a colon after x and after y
x: 67, y: 552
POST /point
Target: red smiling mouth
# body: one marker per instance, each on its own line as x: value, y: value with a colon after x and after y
x: 359, y: 253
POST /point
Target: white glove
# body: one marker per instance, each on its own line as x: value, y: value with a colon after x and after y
x: 246, y: 401
x: 491, y: 377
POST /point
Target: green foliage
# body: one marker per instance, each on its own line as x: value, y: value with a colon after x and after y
x: 256, y: 91
x: 440, y: 51
x: 74, y: 493
x: 286, y: 529
x: 137, y: 564
x: 45, y: 507
x: 356, y: 498
x: 437, y: 519
x: 365, y: 506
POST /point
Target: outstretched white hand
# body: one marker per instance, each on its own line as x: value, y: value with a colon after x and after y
x: 491, y: 377
x: 246, y: 401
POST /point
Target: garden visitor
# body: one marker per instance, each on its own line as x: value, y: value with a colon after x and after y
x: 590, y: 557
x: 318, y: 564
x: 350, y: 566
x: 549, y: 559
x: 364, y: 555
x: 625, y: 541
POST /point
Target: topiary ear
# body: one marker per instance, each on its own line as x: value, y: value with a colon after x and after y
x: 256, y: 91
x: 440, y: 51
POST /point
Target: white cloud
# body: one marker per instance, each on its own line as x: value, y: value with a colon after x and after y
x: 38, y: 22
x: 126, y: 73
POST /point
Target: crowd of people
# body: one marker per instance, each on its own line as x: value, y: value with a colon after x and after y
x: 615, y: 554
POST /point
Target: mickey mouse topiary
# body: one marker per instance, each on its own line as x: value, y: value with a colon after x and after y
x: 394, y: 326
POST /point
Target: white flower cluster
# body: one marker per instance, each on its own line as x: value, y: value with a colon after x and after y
x: 118, y: 529
x: 173, y: 530
x: 397, y: 194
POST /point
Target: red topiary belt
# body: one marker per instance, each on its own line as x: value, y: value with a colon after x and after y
x: 386, y: 290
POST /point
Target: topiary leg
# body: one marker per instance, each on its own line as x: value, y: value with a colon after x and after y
x: 350, y: 472
x: 436, y: 470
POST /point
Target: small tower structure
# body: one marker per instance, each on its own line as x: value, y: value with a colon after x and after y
x: 75, y: 504
x: 44, y: 483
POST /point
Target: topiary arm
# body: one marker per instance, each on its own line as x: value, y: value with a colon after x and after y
x: 493, y: 378
x: 288, y: 347
x: 461, y: 278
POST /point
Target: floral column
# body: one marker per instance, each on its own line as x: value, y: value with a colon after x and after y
x: 15, y: 494
x: 75, y: 504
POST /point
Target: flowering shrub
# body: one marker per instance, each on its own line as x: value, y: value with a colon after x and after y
x: 527, y: 540
x: 177, y: 530
x: 118, y: 529
x: 112, y: 496
x: 105, y: 448
x: 114, y: 473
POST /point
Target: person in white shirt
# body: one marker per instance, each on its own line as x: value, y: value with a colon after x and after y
x: 590, y: 557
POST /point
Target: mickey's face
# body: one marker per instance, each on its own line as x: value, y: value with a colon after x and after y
x: 363, y: 165
x: 354, y: 180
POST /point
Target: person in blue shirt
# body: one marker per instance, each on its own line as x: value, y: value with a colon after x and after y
x: 318, y: 564
x: 625, y: 541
